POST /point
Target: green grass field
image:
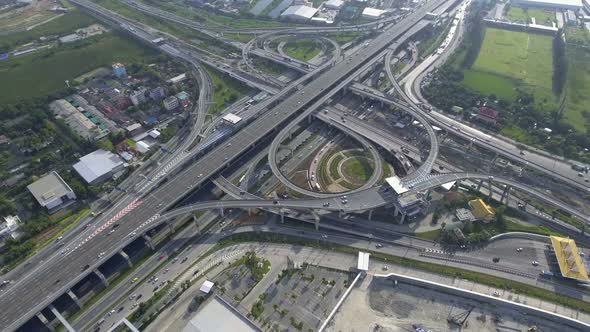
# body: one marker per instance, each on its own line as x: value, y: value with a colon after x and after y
x: 226, y: 90
x: 578, y: 85
x: 62, y: 25
x: 43, y: 73
x: 359, y: 169
x: 303, y: 50
x: 524, y: 15
x: 509, y: 60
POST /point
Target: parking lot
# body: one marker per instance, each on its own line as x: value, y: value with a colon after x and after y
x: 302, y: 299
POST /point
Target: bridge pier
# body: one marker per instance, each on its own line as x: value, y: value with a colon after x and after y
x: 479, y: 184
x: 490, y: 190
x: 196, y: 222
x: 221, y: 213
x: 395, y: 211
x: 505, y: 194
x: 74, y: 298
x: 403, y: 218
x: 61, y: 318
x: 102, y: 278
x: 45, y: 321
x: 170, y: 227
x: 148, y: 241
x: 126, y: 257
x: 282, y: 213
x: 316, y: 219
x: 370, y: 215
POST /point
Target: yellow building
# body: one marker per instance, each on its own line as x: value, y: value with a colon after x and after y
x: 481, y: 210
x: 570, y: 263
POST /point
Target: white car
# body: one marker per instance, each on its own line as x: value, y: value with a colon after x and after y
x: 518, y: 249
x: 535, y: 263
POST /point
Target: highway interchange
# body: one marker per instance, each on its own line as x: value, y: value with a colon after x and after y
x: 193, y: 169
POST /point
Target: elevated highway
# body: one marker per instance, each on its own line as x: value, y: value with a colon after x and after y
x: 20, y: 303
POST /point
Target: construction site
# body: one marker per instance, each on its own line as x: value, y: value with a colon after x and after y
x: 385, y: 305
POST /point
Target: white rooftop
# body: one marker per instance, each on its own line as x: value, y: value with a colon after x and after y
x: 334, y: 3
x: 363, y: 261
x: 232, y: 118
x: 154, y: 133
x: 96, y: 164
x: 206, y: 287
x: 133, y: 127
x: 300, y: 11
x: 217, y: 316
x: 373, y: 12
x: 447, y: 186
x: 396, y: 184
x: 554, y: 3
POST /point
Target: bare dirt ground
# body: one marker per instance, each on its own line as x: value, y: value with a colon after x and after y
x: 379, y: 305
x: 23, y: 17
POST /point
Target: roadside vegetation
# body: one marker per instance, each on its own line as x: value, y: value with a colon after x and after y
x: 226, y: 90
x: 527, y: 78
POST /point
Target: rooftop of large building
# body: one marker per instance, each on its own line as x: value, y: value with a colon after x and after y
x: 48, y: 188
x: 96, y: 164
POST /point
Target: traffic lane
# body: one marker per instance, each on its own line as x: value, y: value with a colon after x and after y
x: 217, y: 158
x: 107, y: 300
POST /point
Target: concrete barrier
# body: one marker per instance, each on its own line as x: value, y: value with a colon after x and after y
x: 520, y: 235
x: 525, y: 309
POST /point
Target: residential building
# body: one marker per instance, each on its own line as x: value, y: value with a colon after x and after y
x: 481, y: 210
x: 299, y: 13
x: 177, y: 79
x: 158, y: 93
x: 488, y: 115
x: 183, y: 99
x: 52, y: 192
x: 9, y: 228
x: 119, y: 70
x: 99, y: 166
x: 134, y: 129
x: 77, y: 121
x: 138, y: 97
x: 142, y: 147
x: 171, y: 103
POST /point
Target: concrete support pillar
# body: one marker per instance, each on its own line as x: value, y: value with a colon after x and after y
x: 126, y: 257
x: 341, y: 214
x: 370, y: 215
x: 148, y: 241
x: 61, y: 318
x: 282, y: 213
x: 317, y: 220
x: 221, y: 213
x: 395, y: 211
x: 74, y: 298
x: 45, y: 321
x: 249, y: 212
x: 171, y: 227
x: 505, y: 195
x: 490, y: 190
x: 309, y: 118
x: 401, y: 221
x: 479, y: 184
x: 102, y: 278
x: 196, y: 222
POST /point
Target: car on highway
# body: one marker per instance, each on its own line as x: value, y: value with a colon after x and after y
x: 496, y: 259
x: 378, y: 245
x: 85, y: 267
x: 385, y: 267
x: 134, y: 280
x: 518, y: 249
x: 535, y: 263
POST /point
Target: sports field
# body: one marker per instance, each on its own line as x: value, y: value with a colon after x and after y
x: 43, y: 73
x: 525, y: 15
x: 578, y: 85
x: 510, y: 60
